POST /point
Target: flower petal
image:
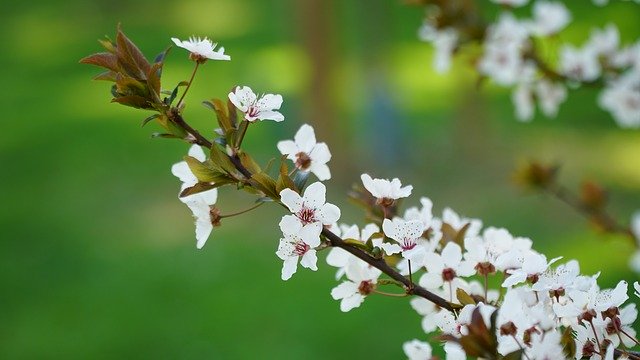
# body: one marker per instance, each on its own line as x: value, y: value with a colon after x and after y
x: 314, y: 196
x: 309, y: 260
x: 305, y: 138
x: 291, y: 199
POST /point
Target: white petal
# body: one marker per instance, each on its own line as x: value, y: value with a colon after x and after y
x: 329, y: 214
x: 367, y: 181
x: 310, y: 234
x: 452, y: 254
x: 291, y: 199
x: 270, y: 115
x: 344, y: 289
x: 236, y: 98
x: 290, y: 225
x: 315, y: 195
x: 309, y: 260
x: 305, y: 138
x: 390, y: 249
x: 431, y: 280
x: 321, y: 171
x: 320, y: 153
x: 181, y: 171
x: 289, y: 267
x: 269, y: 102
x: 351, y: 302
x: 197, y: 152
x: 390, y: 228
x: 287, y: 147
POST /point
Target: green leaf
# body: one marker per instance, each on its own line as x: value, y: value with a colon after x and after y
x: 146, y: 121
x: 107, y: 75
x: 464, y: 298
x: 247, y: 161
x: 266, y: 184
x: 201, y: 170
x: 134, y: 101
x: 568, y: 345
x: 219, y: 108
x: 516, y: 355
x: 221, y: 160
x: 197, y: 188
x: 284, y: 181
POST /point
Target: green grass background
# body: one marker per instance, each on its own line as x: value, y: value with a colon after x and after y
x: 97, y: 257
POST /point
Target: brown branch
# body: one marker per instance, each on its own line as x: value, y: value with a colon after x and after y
x: 335, y: 240
x: 598, y: 215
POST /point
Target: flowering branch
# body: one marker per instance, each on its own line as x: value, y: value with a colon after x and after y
x: 539, y: 311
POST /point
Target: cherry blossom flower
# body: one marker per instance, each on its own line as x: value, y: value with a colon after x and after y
x: 417, y: 350
x: 622, y: 98
x: 406, y: 233
x: 457, y: 222
x: 201, y: 49
x: 454, y: 351
x: 200, y: 203
x: 579, y: 64
x: 384, y: 190
x: 444, y: 41
x: 558, y: 279
x: 309, y: 209
x: 296, y: 244
x: 533, y: 265
x: 306, y: 153
x: 550, y: 95
x: 605, y: 41
x: 254, y: 107
x: 362, y: 281
x: 544, y: 346
x: 636, y: 287
x: 549, y: 18
x: 621, y: 327
x: 445, y: 267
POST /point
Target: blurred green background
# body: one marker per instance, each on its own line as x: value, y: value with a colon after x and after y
x: 98, y: 257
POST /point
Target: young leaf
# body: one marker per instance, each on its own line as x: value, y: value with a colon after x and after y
x: 200, y: 170
x: 132, y: 57
x: 134, y: 101
x: 146, y: 121
x: 266, y: 184
x: 105, y: 60
x: 247, y: 161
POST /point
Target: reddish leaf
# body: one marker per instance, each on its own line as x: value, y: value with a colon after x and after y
x: 104, y: 59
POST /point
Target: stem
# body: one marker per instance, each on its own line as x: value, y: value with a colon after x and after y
x: 601, y: 217
x: 244, y: 125
x: 410, y: 278
x: 521, y: 347
x: 243, y: 211
x: 486, y: 281
x: 595, y: 334
x: 335, y: 240
x: 389, y: 294
x: 193, y: 74
x: 177, y: 119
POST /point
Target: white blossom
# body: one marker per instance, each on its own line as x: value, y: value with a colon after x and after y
x: 254, y: 107
x: 417, y: 350
x: 309, y: 209
x: 340, y: 258
x: 550, y: 95
x: 199, y: 203
x: 445, y: 42
x: 445, y: 267
x: 296, y: 244
x: 306, y: 153
x: 202, y: 49
x: 622, y: 98
x: 579, y: 64
x: 384, y: 190
x: 549, y: 18
x: 405, y: 233
x: 362, y: 279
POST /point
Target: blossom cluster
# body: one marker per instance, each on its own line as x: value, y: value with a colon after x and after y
x: 537, y: 311
x: 511, y: 58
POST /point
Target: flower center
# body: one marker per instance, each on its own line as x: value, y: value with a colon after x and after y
x: 508, y: 329
x: 303, y: 161
x: 252, y: 111
x: 300, y: 248
x: 408, y: 244
x: 366, y: 287
x: 485, y: 268
x: 214, y: 214
x: 448, y: 274
x: 306, y: 215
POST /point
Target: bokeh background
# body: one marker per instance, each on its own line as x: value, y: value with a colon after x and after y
x: 98, y: 258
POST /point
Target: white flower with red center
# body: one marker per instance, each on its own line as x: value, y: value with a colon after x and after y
x: 384, y: 190
x: 201, y: 49
x: 622, y: 99
x: 309, y: 209
x: 362, y: 279
x: 621, y: 327
x: 483, y: 252
x: 549, y: 18
x: 605, y: 41
x: 306, y: 153
x: 200, y: 203
x: 298, y: 243
x: 406, y: 234
x: 254, y: 107
x: 545, y: 346
x: 445, y: 267
x: 417, y: 350
x: 559, y: 279
x: 636, y: 287
x: 533, y: 265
